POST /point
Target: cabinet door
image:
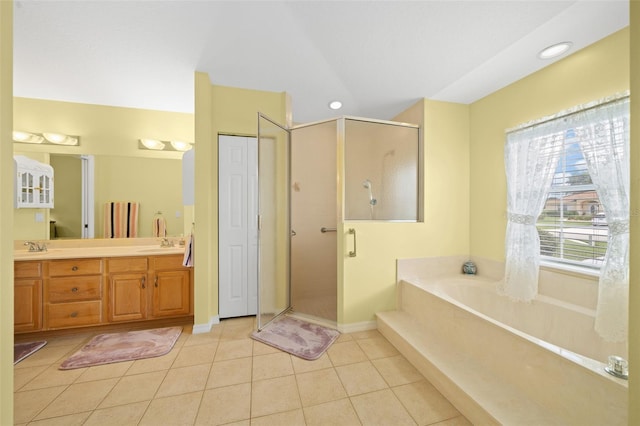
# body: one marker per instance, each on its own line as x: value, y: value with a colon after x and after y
x: 127, y: 296
x: 34, y: 190
x: 171, y: 293
x: 27, y: 314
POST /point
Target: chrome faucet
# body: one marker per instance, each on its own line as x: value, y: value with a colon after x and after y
x: 35, y: 246
x: 166, y: 242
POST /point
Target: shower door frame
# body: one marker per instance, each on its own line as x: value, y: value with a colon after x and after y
x: 260, y: 325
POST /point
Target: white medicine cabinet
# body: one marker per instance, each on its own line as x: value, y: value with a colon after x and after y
x: 33, y: 187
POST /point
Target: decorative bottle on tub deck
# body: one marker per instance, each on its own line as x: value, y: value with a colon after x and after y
x: 469, y: 268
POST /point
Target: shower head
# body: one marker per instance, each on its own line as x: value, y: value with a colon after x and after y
x: 367, y: 185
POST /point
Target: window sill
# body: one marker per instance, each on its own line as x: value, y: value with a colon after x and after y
x: 574, y: 270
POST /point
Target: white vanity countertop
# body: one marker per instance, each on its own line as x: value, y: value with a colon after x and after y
x: 96, y: 248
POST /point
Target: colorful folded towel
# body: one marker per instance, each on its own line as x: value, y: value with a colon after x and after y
x: 121, y: 219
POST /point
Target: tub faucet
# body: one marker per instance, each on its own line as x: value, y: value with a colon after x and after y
x: 35, y: 246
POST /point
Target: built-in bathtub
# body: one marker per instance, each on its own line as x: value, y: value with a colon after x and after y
x: 501, y: 361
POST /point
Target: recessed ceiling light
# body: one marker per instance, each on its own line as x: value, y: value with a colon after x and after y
x: 335, y: 104
x: 555, y: 50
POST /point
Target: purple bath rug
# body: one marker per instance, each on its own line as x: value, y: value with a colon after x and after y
x: 127, y: 346
x: 300, y: 338
x: 23, y: 350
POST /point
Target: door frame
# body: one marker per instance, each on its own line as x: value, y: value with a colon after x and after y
x: 88, y: 196
x: 249, y: 211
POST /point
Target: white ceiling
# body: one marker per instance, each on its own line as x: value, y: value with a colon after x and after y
x: 377, y: 57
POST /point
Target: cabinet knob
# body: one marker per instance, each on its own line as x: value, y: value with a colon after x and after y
x: 155, y: 282
x: 73, y: 314
x: 74, y: 290
x: 75, y: 268
x: 143, y: 282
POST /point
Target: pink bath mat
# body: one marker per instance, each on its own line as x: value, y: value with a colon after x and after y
x: 299, y: 338
x: 118, y: 347
x: 23, y: 350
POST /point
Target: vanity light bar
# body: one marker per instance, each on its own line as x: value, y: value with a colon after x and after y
x: 158, y: 145
x: 152, y: 144
x: 45, y: 138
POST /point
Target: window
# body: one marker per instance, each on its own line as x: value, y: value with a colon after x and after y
x: 572, y: 226
x: 568, y: 182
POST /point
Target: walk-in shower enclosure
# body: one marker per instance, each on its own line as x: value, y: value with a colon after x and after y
x: 345, y: 169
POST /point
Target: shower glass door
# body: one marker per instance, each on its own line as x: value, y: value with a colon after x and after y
x: 314, y: 218
x: 273, y: 220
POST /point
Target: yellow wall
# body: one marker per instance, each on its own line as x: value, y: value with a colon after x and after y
x: 154, y: 183
x: 594, y: 72
x: 6, y: 213
x: 219, y: 110
x: 367, y: 282
x: 634, y: 255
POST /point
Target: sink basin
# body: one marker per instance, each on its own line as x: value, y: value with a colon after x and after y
x: 160, y: 250
x: 34, y: 253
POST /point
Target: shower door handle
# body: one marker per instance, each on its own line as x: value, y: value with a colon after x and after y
x: 353, y: 252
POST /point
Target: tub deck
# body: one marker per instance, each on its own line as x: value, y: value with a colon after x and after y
x: 493, y: 376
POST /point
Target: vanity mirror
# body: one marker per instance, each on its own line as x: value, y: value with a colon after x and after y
x: 121, y: 171
x: 156, y: 184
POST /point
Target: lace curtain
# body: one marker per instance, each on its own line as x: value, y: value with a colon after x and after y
x: 603, y: 133
x: 531, y: 155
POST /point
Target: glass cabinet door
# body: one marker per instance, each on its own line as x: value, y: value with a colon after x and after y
x: 34, y: 190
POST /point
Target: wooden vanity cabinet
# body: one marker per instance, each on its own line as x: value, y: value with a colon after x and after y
x: 73, y: 293
x: 172, y: 289
x: 70, y: 293
x: 127, y: 288
x: 27, y: 300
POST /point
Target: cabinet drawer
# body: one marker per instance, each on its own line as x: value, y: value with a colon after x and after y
x: 74, y: 314
x: 71, y: 289
x: 167, y: 262
x: 27, y: 269
x: 75, y: 267
x: 127, y: 264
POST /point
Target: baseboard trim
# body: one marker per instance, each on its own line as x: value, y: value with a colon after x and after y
x: 314, y: 320
x: 357, y: 326
x: 205, y: 328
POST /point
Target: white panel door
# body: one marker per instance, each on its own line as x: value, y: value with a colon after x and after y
x: 237, y: 226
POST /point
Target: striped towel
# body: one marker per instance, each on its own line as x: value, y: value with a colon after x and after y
x: 159, y: 226
x: 188, y: 253
x: 121, y: 219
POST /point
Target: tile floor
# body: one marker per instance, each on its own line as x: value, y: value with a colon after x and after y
x: 225, y: 378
